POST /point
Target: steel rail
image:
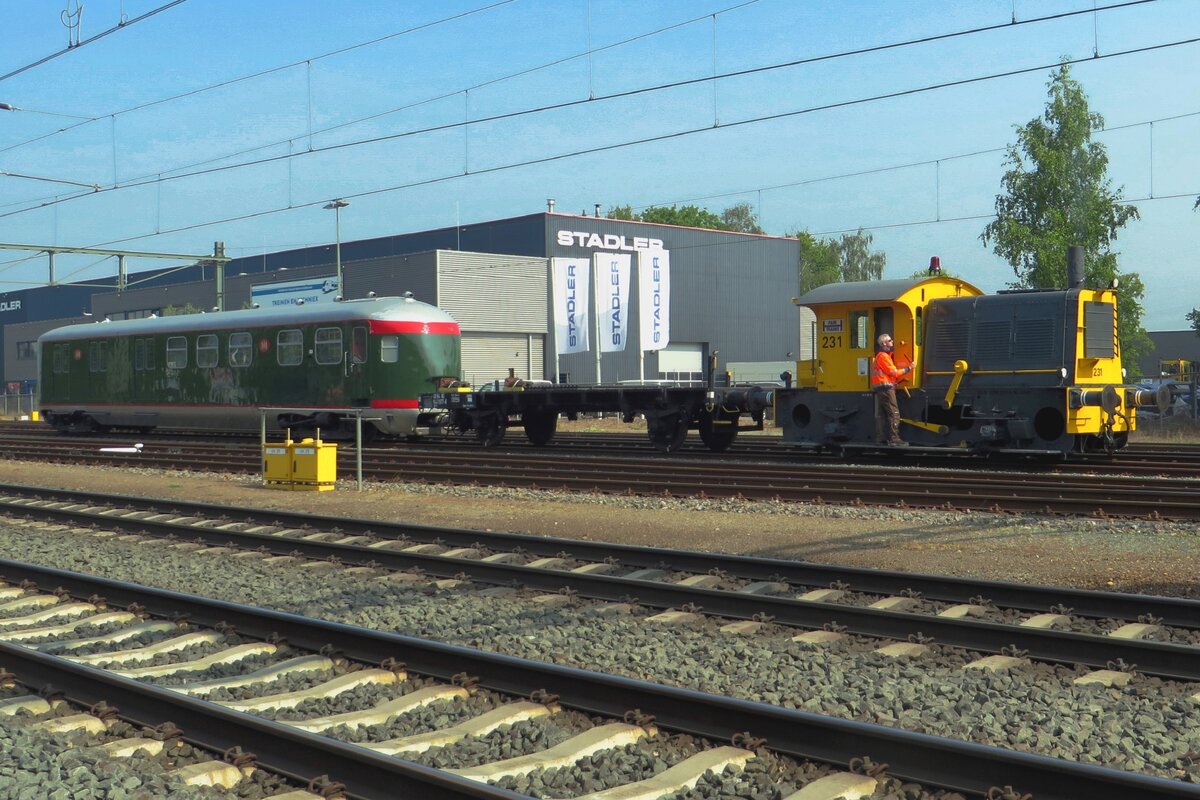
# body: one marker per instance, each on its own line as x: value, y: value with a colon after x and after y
x: 279, y: 748
x: 946, y: 763
x: 1156, y: 500
x: 1173, y: 611
x: 1171, y: 661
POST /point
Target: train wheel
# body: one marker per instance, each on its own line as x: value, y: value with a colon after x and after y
x: 540, y: 426
x: 490, y: 431
x: 668, y: 433
x: 716, y: 432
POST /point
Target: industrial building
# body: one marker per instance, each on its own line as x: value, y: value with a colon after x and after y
x: 730, y: 296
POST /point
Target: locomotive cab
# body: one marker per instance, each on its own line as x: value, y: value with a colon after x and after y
x: 835, y: 405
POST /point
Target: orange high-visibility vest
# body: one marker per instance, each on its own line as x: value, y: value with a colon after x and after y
x: 885, y: 372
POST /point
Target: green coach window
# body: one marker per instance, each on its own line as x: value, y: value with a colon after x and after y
x: 206, y: 350
x: 389, y: 348
x: 60, y: 359
x: 327, y: 345
x: 241, y: 349
x: 139, y: 354
x: 289, y: 350
x: 98, y: 357
x: 176, y: 352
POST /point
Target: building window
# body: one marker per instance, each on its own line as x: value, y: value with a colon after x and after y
x: 289, y: 349
x: 26, y: 351
x: 241, y: 349
x: 98, y: 356
x: 176, y: 352
x: 139, y: 354
x: 389, y: 348
x: 61, y: 364
x: 327, y: 346
x: 858, y: 330
x: 206, y: 350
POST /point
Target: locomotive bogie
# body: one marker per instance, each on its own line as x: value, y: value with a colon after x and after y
x: 303, y: 367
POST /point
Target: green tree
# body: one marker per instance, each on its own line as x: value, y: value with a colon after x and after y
x: 741, y: 217
x: 1056, y: 194
x: 689, y: 216
x: 1194, y: 318
x: 846, y: 258
x: 179, y: 311
x: 856, y: 260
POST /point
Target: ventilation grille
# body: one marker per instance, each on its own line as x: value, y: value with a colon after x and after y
x: 951, y: 340
x: 1034, y: 341
x: 1099, y: 335
x: 993, y: 341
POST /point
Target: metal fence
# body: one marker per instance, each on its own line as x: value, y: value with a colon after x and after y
x: 16, y: 405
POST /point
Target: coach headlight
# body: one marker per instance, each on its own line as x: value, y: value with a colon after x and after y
x: 1062, y: 371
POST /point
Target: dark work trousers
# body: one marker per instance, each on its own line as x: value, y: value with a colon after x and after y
x: 887, y: 415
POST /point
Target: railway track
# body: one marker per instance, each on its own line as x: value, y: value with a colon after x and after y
x: 279, y: 680
x: 1179, y: 460
x: 916, y: 487
x: 898, y: 613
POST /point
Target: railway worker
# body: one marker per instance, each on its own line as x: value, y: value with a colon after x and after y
x: 884, y: 377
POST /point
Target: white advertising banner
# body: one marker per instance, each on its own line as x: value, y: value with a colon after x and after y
x: 289, y: 293
x: 612, y: 299
x: 569, y: 278
x: 654, y: 299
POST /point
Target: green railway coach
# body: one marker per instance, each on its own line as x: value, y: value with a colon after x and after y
x: 217, y: 370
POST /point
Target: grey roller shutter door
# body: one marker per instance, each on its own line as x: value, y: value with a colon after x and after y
x: 489, y: 356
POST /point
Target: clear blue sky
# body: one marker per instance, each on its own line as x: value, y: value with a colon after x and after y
x: 415, y: 81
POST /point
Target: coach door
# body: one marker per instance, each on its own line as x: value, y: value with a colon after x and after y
x: 356, y: 367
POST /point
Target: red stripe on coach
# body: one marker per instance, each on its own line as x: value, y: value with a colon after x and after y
x: 392, y: 326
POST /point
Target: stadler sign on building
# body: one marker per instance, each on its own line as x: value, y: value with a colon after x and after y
x: 607, y: 241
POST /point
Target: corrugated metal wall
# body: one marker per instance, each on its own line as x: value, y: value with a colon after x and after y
x: 501, y: 303
x: 488, y: 356
x: 503, y: 294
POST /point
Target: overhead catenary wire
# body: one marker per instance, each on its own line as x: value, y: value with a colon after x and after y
x: 662, y: 137
x: 259, y: 74
x: 124, y: 23
x: 158, y: 176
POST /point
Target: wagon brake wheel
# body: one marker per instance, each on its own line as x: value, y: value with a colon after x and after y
x: 667, y: 433
x: 540, y: 426
x: 717, y: 430
x: 490, y: 430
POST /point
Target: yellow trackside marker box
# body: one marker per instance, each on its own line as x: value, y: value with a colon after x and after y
x: 314, y: 465
x: 310, y: 464
x: 277, y: 465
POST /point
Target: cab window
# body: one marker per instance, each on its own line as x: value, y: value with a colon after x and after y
x: 358, y: 345
x: 389, y: 348
x: 859, y: 340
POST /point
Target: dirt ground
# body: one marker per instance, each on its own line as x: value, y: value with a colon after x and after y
x: 1155, y: 558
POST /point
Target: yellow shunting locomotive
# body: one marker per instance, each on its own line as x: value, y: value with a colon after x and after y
x: 1034, y: 371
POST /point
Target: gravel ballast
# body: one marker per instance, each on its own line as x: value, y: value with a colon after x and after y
x: 1148, y: 726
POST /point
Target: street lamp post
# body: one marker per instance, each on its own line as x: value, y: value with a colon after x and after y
x: 337, y: 205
